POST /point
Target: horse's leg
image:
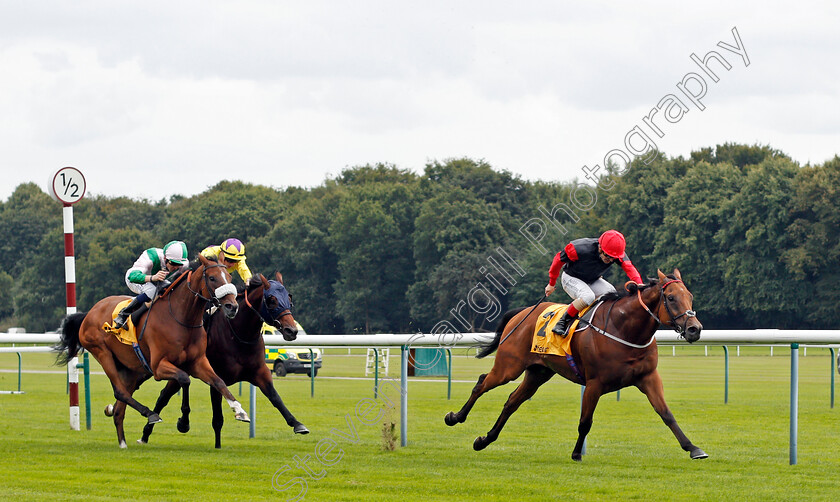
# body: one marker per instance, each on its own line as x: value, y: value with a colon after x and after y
x: 651, y: 386
x: 534, y: 377
x: 591, y: 394
x: 131, y: 381
x: 218, y: 416
x: 183, y: 424
x: 163, y: 399
x: 263, y: 380
x: 121, y: 392
x: 504, y: 370
x: 119, y: 416
x: 202, y: 370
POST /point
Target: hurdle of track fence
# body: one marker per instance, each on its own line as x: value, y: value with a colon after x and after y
x: 725, y: 338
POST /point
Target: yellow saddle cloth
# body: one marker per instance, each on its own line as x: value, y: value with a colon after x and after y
x: 127, y: 335
x: 545, y: 341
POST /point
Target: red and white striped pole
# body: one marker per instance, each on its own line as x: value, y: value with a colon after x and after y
x: 68, y: 187
x: 70, y: 286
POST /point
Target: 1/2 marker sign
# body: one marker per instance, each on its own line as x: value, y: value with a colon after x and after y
x: 68, y: 185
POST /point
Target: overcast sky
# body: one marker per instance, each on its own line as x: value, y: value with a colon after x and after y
x: 150, y: 99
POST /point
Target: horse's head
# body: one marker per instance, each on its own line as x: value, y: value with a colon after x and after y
x: 276, y: 307
x: 216, y: 286
x: 676, y: 304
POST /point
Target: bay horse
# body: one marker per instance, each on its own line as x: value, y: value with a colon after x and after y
x: 236, y: 350
x: 173, y: 341
x: 616, y: 350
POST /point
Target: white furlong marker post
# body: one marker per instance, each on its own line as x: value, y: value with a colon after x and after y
x: 68, y: 186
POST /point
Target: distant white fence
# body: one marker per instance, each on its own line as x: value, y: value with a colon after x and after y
x: 463, y: 340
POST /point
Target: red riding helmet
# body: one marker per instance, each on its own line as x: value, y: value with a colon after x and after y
x: 612, y: 243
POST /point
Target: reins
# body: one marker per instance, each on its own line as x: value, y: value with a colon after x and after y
x: 197, y: 294
x: 673, y: 323
x: 609, y: 335
x: 523, y: 319
x: 679, y: 329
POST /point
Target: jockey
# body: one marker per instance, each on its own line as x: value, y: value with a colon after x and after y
x: 152, y: 266
x: 231, y: 254
x: 584, y: 261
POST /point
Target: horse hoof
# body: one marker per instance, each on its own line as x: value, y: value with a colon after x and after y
x: 154, y: 418
x: 577, y: 457
x: 301, y: 429
x: 123, y: 445
x: 697, y: 453
x: 183, y: 426
x: 140, y: 441
x: 109, y: 410
x: 242, y: 417
x: 450, y: 419
x: 480, y: 443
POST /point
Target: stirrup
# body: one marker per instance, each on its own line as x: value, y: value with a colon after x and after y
x: 121, y: 320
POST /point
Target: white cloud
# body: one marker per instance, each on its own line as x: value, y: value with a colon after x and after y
x: 287, y: 93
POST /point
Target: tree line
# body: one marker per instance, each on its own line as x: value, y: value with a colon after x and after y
x: 383, y: 249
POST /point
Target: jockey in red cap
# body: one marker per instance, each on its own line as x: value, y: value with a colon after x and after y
x: 583, y: 262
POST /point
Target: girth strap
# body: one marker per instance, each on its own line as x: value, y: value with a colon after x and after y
x: 141, y: 357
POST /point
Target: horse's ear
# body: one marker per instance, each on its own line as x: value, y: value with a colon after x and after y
x: 677, y: 274
x: 265, y: 283
x: 278, y: 277
x: 204, y: 261
x: 662, y: 276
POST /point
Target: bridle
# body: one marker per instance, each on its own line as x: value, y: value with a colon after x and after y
x: 267, y: 316
x: 220, y: 292
x: 680, y: 329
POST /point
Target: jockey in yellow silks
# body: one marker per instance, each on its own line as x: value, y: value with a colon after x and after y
x: 231, y: 254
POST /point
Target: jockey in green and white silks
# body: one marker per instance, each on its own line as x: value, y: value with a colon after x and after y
x: 151, y: 267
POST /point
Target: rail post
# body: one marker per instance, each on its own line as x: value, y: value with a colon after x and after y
x: 794, y: 400
x: 725, y: 374
x: 403, y: 395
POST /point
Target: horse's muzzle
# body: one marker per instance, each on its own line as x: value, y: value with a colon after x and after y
x: 692, y: 333
x: 289, y: 333
x: 230, y: 309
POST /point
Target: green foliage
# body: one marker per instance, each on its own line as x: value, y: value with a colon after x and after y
x: 26, y: 218
x: 213, y: 216
x: 379, y: 248
x: 7, y: 304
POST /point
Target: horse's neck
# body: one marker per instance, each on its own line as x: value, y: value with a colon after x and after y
x: 185, y: 295
x: 251, y: 322
x: 634, y: 323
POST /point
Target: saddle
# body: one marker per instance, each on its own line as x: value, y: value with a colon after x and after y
x: 546, y: 341
x: 127, y: 335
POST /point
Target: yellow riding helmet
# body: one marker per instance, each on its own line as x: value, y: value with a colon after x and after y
x: 233, y: 249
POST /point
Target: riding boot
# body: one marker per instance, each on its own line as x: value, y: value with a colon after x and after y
x: 562, y: 324
x: 122, y: 317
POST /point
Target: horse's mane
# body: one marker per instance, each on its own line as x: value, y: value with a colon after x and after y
x: 618, y: 295
x: 194, y: 264
x: 251, y: 285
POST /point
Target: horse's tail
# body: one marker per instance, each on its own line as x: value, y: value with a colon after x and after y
x: 490, y: 347
x: 68, y: 345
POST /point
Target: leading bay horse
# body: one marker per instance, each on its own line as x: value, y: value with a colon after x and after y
x: 236, y: 350
x: 173, y: 342
x: 617, y: 350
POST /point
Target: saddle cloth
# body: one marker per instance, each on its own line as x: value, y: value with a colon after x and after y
x: 127, y: 335
x: 545, y: 341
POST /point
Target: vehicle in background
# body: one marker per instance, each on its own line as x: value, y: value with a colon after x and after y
x: 292, y: 359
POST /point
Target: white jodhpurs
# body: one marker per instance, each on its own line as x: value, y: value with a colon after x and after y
x: 148, y: 287
x: 586, y: 293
